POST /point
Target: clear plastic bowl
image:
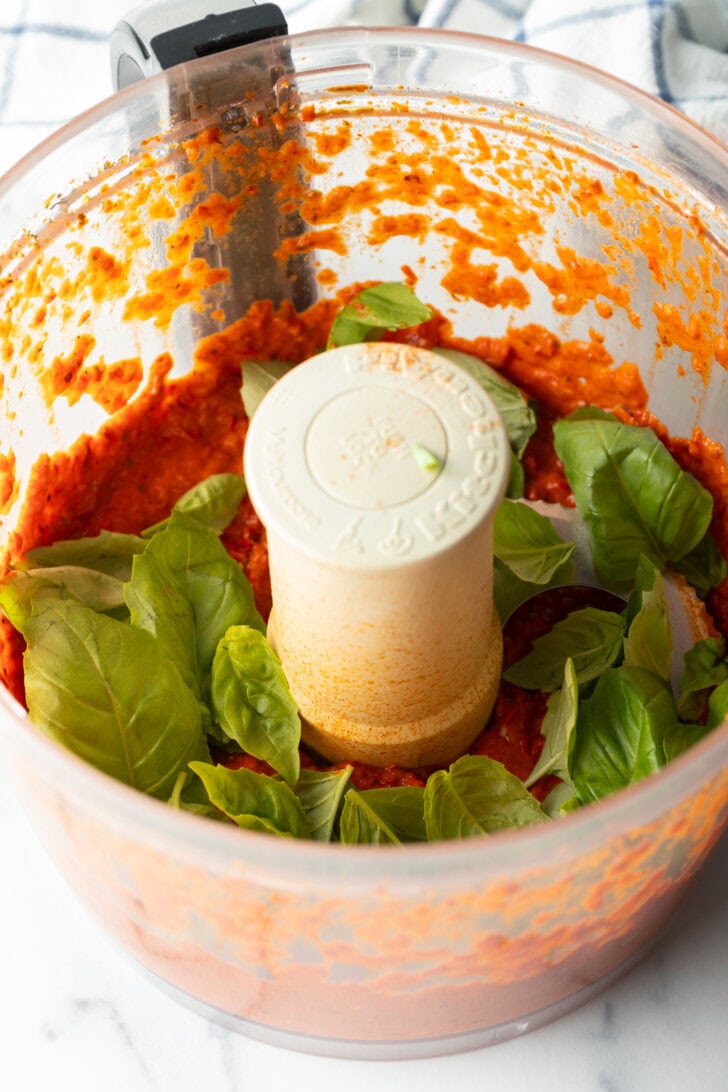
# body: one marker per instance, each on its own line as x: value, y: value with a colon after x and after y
x: 355, y: 951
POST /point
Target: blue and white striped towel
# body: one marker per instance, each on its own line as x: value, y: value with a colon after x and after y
x: 54, y: 53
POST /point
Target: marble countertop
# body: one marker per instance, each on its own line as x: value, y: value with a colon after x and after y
x: 76, y: 1014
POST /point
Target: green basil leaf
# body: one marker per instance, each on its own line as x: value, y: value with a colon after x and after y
x: 558, y: 728
x: 104, y: 690
x: 109, y: 552
x: 189, y: 794
x: 477, y: 795
x: 23, y: 594
x: 20, y: 595
x: 592, y: 638
x: 620, y: 732
x: 516, y: 413
x: 681, y: 737
x: 252, y: 702
x: 254, y: 801
x: 361, y: 824
x: 320, y: 793
x: 632, y: 496
x: 526, y: 544
x: 648, y: 642
x: 187, y: 592
x: 509, y: 592
x: 516, y: 479
x: 704, y: 567
x: 704, y: 667
x: 258, y: 378
x: 214, y: 502
x: 387, y: 815
x: 388, y: 306
x: 560, y: 801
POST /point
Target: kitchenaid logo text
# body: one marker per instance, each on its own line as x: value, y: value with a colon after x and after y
x: 275, y: 464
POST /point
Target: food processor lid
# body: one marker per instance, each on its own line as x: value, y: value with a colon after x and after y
x: 158, y: 36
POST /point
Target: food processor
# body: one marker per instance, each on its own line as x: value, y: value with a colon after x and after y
x: 520, y: 192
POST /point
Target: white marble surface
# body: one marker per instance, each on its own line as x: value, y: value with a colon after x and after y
x: 77, y: 1016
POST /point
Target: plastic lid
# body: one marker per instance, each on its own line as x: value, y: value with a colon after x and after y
x: 376, y: 454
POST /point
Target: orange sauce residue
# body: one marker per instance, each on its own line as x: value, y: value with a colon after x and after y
x: 169, y: 288
x: 579, y: 280
x: 695, y: 336
x: 481, y: 282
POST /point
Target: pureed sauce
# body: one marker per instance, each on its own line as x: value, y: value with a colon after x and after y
x: 130, y: 474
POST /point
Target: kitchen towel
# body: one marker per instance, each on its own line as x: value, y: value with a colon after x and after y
x: 54, y: 59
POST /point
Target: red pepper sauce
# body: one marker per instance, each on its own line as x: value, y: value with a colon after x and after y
x: 129, y: 475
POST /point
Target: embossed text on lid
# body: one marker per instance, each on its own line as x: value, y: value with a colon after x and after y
x: 375, y: 455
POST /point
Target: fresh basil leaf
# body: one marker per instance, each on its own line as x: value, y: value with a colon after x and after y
x: 526, y: 544
x: 252, y: 702
x: 361, y: 824
x: 560, y: 801
x: 109, y: 552
x: 704, y: 567
x: 515, y: 411
x: 648, y: 642
x: 388, y: 306
x: 620, y: 732
x: 477, y: 795
x: 158, y: 604
x: 592, y: 638
x: 23, y: 594
x: 187, y: 592
x: 632, y: 496
x: 681, y: 737
x: 516, y: 479
x: 704, y: 667
x: 20, y: 595
x: 320, y: 793
x: 254, y: 801
x: 189, y: 794
x: 214, y: 502
x: 258, y: 378
x: 105, y: 690
x: 509, y: 592
x: 391, y: 815
x: 94, y: 589
x: 557, y: 728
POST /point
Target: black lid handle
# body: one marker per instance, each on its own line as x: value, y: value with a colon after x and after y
x: 161, y: 35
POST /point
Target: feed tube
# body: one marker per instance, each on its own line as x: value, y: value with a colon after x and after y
x: 377, y: 469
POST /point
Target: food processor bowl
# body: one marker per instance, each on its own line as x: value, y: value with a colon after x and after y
x: 514, y: 188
